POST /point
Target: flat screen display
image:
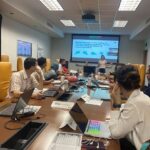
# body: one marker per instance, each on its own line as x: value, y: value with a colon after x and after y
x: 89, y: 48
x: 24, y: 48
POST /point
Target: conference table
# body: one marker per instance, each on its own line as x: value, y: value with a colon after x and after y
x: 54, y: 117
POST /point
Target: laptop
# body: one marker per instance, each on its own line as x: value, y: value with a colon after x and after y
x: 14, y: 108
x: 53, y: 91
x: 89, y: 127
x: 64, y: 97
x: 88, y: 70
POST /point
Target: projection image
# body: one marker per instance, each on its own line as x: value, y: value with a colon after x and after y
x: 91, y: 47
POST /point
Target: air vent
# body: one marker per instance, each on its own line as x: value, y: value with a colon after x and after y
x: 88, y: 18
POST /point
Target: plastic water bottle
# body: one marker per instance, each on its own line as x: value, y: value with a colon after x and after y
x: 89, y: 81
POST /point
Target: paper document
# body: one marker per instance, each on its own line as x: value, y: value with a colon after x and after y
x: 66, y: 141
x: 45, y: 89
x: 70, y: 122
x: 56, y: 82
x: 104, y: 81
x: 73, y: 71
x: 62, y: 105
x: 85, y: 97
x: 94, y: 102
x: 104, y: 86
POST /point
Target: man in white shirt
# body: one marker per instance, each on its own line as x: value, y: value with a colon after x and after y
x: 23, y: 80
x: 39, y: 74
x: 134, y: 120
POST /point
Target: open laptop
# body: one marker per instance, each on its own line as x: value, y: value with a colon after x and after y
x: 14, y: 108
x: 53, y: 91
x: 89, y: 127
x: 88, y: 70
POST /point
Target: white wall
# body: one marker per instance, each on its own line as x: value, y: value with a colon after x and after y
x: 13, y: 31
x: 130, y: 51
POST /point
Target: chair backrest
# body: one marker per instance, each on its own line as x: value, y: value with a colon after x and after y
x: 4, y: 58
x: 141, y: 68
x: 6, y: 71
x: 48, y: 64
x: 19, y: 63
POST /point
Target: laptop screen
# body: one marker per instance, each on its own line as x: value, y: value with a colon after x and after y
x: 22, y: 102
x: 88, y: 70
x: 79, y: 117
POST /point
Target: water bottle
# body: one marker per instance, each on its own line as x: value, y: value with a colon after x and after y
x: 89, y: 81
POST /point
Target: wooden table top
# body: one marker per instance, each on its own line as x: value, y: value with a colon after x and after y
x: 54, y: 117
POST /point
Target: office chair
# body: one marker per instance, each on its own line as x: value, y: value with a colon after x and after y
x: 6, y: 71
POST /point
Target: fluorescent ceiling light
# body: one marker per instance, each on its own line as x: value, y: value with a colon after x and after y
x: 129, y: 5
x: 120, y: 23
x: 68, y: 22
x: 52, y: 5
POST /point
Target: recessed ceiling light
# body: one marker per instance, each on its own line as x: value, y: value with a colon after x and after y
x: 129, y: 5
x: 68, y: 22
x: 52, y: 5
x: 120, y: 23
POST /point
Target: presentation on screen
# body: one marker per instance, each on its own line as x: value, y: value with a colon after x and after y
x: 90, y: 48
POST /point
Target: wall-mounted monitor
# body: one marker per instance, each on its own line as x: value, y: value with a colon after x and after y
x: 89, y: 48
x: 24, y: 48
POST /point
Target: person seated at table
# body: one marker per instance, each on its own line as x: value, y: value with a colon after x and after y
x: 23, y: 80
x: 148, y: 75
x: 146, y: 89
x: 52, y: 73
x: 39, y: 74
x: 133, y: 121
x: 62, y: 69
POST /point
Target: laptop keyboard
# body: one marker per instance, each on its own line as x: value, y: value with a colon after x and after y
x: 9, y: 110
x: 49, y: 93
x: 30, y: 108
x: 67, y: 139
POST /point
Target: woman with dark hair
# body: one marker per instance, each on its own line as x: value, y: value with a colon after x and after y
x: 133, y: 121
x: 102, y: 64
x: 62, y: 69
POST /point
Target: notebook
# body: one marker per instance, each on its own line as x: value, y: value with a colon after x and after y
x: 22, y: 102
x: 89, y: 127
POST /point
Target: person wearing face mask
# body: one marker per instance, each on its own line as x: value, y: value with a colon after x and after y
x: 133, y: 121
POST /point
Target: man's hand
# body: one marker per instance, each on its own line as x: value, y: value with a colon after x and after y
x: 39, y: 95
x: 115, y: 94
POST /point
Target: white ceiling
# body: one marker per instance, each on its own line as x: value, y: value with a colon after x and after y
x: 34, y: 14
